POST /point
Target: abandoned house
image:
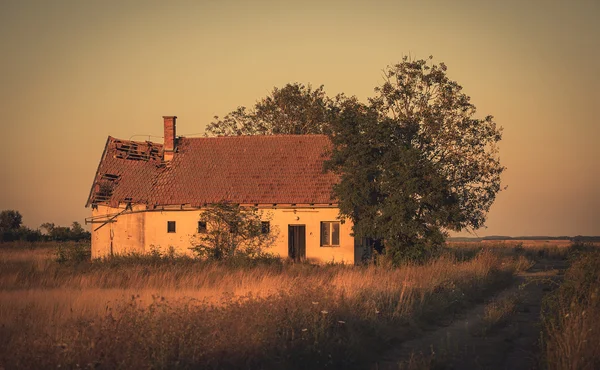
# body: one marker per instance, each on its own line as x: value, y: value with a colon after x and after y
x: 149, y: 196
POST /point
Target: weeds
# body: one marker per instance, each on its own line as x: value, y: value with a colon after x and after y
x: 531, y: 250
x: 571, y: 315
x: 170, y: 311
x: 73, y: 252
x: 497, y: 313
x: 418, y: 362
x: 184, y: 313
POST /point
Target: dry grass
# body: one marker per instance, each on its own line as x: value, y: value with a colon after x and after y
x: 418, y: 362
x: 532, y: 249
x: 571, y: 317
x: 181, y: 313
x: 498, y: 313
x: 526, y: 243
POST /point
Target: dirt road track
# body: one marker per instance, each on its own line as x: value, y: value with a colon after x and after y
x: 460, y: 345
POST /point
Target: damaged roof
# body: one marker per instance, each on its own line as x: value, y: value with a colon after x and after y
x: 278, y: 169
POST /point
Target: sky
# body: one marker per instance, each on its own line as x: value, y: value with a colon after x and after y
x: 74, y: 72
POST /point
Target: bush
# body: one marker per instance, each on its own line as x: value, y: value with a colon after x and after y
x: 232, y: 231
x: 73, y: 252
x: 65, y: 233
x: 11, y: 230
x: 518, y: 248
x: 571, y: 317
x: 23, y: 234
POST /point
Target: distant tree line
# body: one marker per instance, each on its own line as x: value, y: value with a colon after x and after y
x: 576, y: 239
x: 12, y: 229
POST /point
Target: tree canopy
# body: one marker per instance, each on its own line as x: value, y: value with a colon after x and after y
x: 10, y: 220
x: 441, y: 124
x: 414, y: 161
x: 12, y: 229
x: 292, y: 109
x: 62, y: 233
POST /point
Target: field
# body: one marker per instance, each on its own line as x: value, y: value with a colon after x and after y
x: 174, y: 312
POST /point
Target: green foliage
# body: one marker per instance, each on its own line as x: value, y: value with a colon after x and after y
x: 11, y: 230
x: 10, y: 220
x: 63, y: 233
x: 73, y: 252
x: 23, y: 234
x: 231, y: 232
x: 519, y: 248
x: 571, y: 315
x: 440, y: 123
x: 293, y: 109
x: 582, y: 280
x: 577, y: 249
x: 414, y: 162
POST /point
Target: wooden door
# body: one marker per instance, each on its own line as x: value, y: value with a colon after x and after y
x: 297, y: 242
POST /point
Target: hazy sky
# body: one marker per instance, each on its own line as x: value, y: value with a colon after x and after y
x: 73, y: 72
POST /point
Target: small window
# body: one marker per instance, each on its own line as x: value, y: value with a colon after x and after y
x: 330, y: 234
x: 265, y: 227
x: 170, y: 226
x: 201, y: 227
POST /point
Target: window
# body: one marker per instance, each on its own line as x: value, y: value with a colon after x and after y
x: 170, y: 226
x: 330, y: 234
x: 201, y: 227
x: 265, y: 227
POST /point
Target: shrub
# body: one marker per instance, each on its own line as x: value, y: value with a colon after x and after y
x: 232, y: 231
x: 518, y: 248
x: 23, y: 234
x: 64, y: 233
x: 571, y: 317
x: 73, y: 252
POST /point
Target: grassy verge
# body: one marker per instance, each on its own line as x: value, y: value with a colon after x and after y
x: 571, y: 317
x: 182, y: 313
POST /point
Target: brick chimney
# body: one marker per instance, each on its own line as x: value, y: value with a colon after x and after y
x: 169, y: 143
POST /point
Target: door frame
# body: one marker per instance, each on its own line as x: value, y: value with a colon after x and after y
x: 295, y: 253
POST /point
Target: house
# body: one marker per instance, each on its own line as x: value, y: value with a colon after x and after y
x: 149, y: 195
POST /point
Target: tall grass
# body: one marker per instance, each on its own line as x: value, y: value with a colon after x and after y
x: 571, y: 317
x: 532, y: 249
x: 182, y: 313
x: 497, y: 313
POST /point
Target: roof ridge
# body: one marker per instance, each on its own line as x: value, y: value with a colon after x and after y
x: 112, y: 139
x: 253, y: 136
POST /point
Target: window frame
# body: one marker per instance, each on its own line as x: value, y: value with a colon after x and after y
x: 265, y: 227
x: 169, y: 224
x: 330, y: 234
x: 203, y: 229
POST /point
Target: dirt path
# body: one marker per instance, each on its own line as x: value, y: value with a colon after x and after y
x: 461, y: 345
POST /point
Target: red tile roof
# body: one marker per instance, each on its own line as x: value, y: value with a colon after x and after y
x: 282, y: 169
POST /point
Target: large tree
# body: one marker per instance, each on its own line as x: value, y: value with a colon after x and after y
x: 415, y: 162
x: 292, y: 109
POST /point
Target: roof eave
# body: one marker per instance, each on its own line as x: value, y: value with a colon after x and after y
x: 89, y: 199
